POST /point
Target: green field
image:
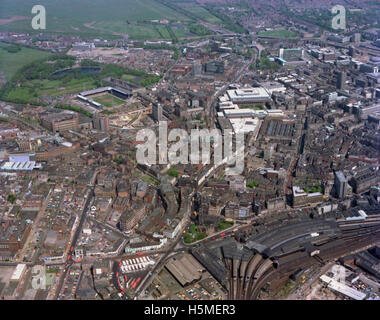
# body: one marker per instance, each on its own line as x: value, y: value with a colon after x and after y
x: 11, y: 62
x: 129, y: 77
x: 203, y: 14
x: 32, y: 89
x: 139, y: 30
x: 92, y: 17
x: 108, y: 100
x: 38, y: 80
x: 278, y: 34
x: 56, y: 88
x: 108, y: 19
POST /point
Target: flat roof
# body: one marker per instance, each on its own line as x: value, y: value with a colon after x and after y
x: 340, y: 176
x: 24, y: 165
x: 238, y: 112
x: 17, y: 273
x: 248, y: 93
x: 185, y: 269
x: 298, y: 192
x: 343, y: 288
x: 94, y: 91
x: 244, y: 124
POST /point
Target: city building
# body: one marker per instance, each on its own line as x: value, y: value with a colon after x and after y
x: 101, y: 122
x: 185, y: 269
x: 248, y: 95
x: 341, y: 80
x: 340, y: 184
x: 62, y: 121
x: 157, y: 112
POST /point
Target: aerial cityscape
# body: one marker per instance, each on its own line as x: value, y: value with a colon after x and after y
x: 196, y: 150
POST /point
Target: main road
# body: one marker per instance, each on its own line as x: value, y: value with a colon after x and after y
x: 211, y: 106
x: 74, y: 240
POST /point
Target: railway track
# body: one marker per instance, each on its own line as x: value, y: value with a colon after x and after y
x: 247, y: 283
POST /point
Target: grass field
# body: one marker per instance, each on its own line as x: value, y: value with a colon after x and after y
x: 91, y: 17
x: 129, y: 77
x: 11, y: 62
x: 255, y: 107
x: 225, y: 224
x: 278, y: 34
x: 203, y: 14
x: 53, y: 88
x: 108, y: 100
x: 38, y: 81
x: 106, y: 19
x: 194, y: 234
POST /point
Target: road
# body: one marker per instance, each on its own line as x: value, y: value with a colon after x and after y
x: 78, y: 230
x: 212, y: 104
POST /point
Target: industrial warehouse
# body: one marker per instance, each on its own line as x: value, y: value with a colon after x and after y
x: 185, y: 269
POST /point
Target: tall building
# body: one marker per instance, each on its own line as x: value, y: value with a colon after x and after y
x: 157, y: 112
x: 101, y: 122
x: 340, y: 184
x: 341, y: 80
x: 293, y: 54
x: 351, y: 51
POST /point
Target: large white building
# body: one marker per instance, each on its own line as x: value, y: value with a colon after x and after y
x: 342, y: 288
x: 246, y: 120
x: 248, y: 95
x: 18, y: 272
x: 245, y: 125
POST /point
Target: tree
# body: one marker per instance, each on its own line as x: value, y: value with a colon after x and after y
x: 188, y: 238
x: 252, y: 184
x: 173, y: 173
x: 192, y: 228
x: 11, y: 198
x: 118, y: 159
